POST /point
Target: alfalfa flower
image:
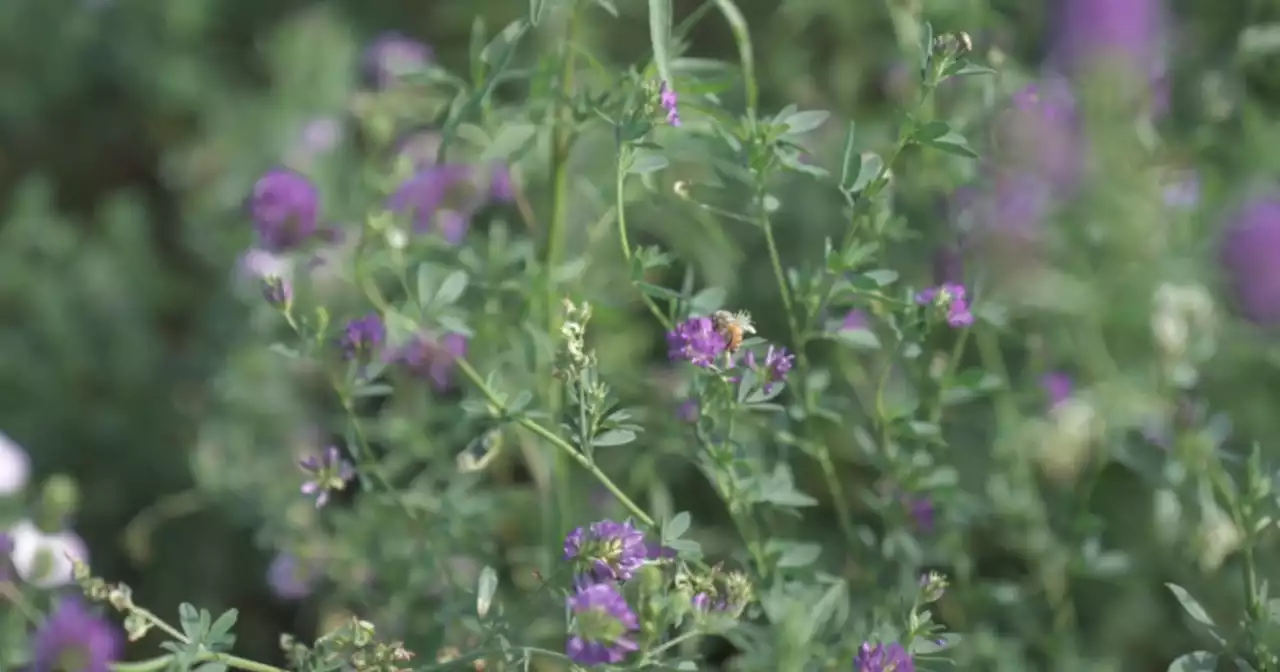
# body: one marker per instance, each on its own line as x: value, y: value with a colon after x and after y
x: 606, y: 550
x: 329, y: 472
x: 696, y: 341
x: 777, y: 362
x: 73, y: 638
x: 1247, y: 256
x: 668, y: 99
x: 434, y: 191
x: 433, y: 359
x: 883, y: 658
x: 362, y: 336
x: 290, y: 577
x: 1057, y: 387
x: 392, y: 55
x: 602, y: 626
x: 950, y: 297
x: 285, y: 208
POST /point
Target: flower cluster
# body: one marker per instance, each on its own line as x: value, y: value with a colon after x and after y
x: 949, y: 297
x: 73, y: 638
x: 362, y: 336
x: 392, y: 55
x: 883, y: 658
x: 777, y: 362
x: 329, y: 473
x: 285, y: 207
x: 696, y: 341
x: 667, y: 98
x: 606, y: 550
x: 433, y: 359
x: 603, y: 554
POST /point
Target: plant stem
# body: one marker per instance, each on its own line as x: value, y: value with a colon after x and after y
x: 620, y: 207
x: 560, y: 444
x: 226, y: 659
x: 561, y: 143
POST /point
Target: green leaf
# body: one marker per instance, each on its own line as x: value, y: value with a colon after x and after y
x: 796, y: 554
x: 660, y: 37
x: 803, y: 122
x: 677, y: 526
x: 511, y: 138
x: 658, y: 292
x: 951, y: 143
x: 614, y: 437
x: 851, y: 162
x: 485, y: 590
x: 1196, y: 661
x: 859, y: 339
x: 451, y: 289
x: 224, y: 624
x: 211, y: 667
x: 608, y: 6
x: 189, y: 619
x: 932, y: 130
x: 646, y: 162
x: 1192, y: 607
x: 535, y: 11
x: 426, y: 284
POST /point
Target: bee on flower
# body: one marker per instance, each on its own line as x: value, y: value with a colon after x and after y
x: 733, y: 327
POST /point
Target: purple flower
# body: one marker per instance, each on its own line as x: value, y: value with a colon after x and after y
x: 362, y: 336
x: 1039, y: 136
x: 317, y: 138
x: 951, y: 297
x: 285, y: 206
x: 75, y: 639
x: 777, y: 362
x: 426, y: 195
x: 695, y: 341
x: 688, y: 411
x: 290, y: 578
x: 6, y: 549
x: 392, y: 55
x: 1183, y: 191
x: 667, y: 98
x: 704, y: 602
x: 921, y: 510
x: 1104, y: 32
x: 433, y: 359
x: 329, y: 472
x: 854, y: 320
x: 655, y: 551
x: 602, y: 624
x: 883, y: 658
x: 1248, y: 255
x: 1057, y: 387
x: 501, y: 186
x: 606, y: 550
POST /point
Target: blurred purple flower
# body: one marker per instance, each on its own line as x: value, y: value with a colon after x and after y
x: 602, y: 626
x: 854, y: 320
x: 362, y: 336
x: 420, y: 148
x: 606, y: 550
x: 921, y: 510
x: 316, y: 138
x: 883, y: 658
x: 429, y: 192
x: 433, y: 359
x: 777, y: 362
x: 1092, y: 33
x: 1248, y: 255
x: 328, y: 471
x: 1182, y: 192
x: 1039, y: 136
x: 501, y: 187
x: 73, y: 638
x: 656, y: 551
x: 695, y: 341
x: 688, y: 411
x: 950, y: 297
x: 1057, y: 387
x: 6, y: 549
x: 392, y: 55
x: 290, y: 578
x: 668, y: 99
x: 285, y: 207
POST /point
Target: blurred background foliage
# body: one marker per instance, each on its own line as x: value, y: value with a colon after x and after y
x: 131, y: 130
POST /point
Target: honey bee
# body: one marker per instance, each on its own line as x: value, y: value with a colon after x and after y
x: 733, y: 327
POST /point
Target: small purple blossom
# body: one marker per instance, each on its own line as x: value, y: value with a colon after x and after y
x: 362, y: 336
x: 73, y: 638
x: 951, y: 297
x: 602, y: 626
x: 329, y: 472
x: 291, y: 578
x: 1127, y: 33
x: 1057, y: 387
x: 688, y: 411
x: 668, y: 99
x: 285, y: 208
x: 777, y: 362
x: 392, y: 55
x: 883, y: 658
x: 921, y: 510
x: 501, y: 184
x: 1039, y: 136
x: 430, y: 193
x: 855, y: 320
x: 1248, y: 255
x: 696, y: 341
x: 606, y: 550
x: 433, y: 359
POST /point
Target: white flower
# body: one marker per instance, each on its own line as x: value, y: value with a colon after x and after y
x: 15, y: 467
x: 42, y: 559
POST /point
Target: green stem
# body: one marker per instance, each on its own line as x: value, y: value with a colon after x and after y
x: 226, y: 659
x: 620, y: 208
x: 560, y: 444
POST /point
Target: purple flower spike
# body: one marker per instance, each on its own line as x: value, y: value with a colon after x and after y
x: 285, y: 208
x: 329, y: 472
x: 431, y: 194
x: 696, y: 341
x: 777, y: 362
x: 75, y: 639
x: 362, y: 336
x: 1088, y: 30
x: 433, y: 359
x: 951, y: 297
x: 1248, y: 259
x: 1057, y: 387
x: 390, y: 56
x: 883, y: 658
x: 668, y: 99
x: 603, y: 623
x: 606, y: 550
